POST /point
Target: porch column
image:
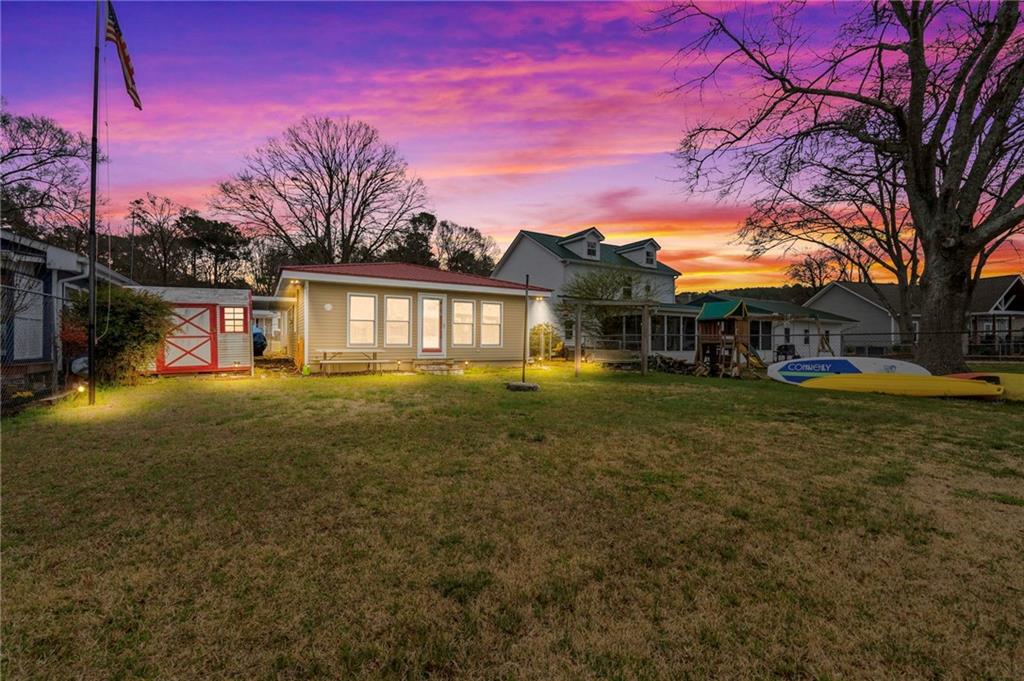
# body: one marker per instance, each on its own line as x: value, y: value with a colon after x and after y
x: 577, y: 341
x: 645, y: 340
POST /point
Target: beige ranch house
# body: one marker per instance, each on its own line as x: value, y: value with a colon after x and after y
x: 388, y: 316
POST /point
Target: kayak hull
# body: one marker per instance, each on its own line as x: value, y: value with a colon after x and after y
x: 908, y: 385
x: 1013, y: 384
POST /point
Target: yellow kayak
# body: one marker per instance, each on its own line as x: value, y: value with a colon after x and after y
x: 906, y: 384
x: 1013, y: 384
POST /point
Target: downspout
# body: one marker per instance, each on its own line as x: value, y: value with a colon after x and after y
x: 60, y: 306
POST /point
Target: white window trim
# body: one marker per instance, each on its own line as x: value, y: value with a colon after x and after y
x: 224, y: 318
x: 472, y: 324
x: 410, y: 322
x: 419, y: 325
x: 501, y: 327
x: 348, y: 321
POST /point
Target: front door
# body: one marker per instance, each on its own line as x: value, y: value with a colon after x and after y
x: 191, y: 344
x: 431, y: 326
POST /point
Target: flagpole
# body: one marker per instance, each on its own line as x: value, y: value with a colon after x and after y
x: 92, y: 210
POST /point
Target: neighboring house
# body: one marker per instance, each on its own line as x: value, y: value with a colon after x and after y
x: 995, y: 321
x: 37, y: 280
x: 553, y: 261
x: 779, y: 328
x: 397, y: 315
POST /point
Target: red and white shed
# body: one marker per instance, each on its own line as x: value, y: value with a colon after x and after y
x: 211, y: 330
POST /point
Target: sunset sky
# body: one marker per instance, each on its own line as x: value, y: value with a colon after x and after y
x: 549, y: 117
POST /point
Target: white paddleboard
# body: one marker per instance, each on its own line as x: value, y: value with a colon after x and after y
x: 797, y: 371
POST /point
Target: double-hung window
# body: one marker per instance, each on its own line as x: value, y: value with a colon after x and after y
x: 397, y: 320
x: 362, y: 320
x: 490, y: 324
x: 463, y: 322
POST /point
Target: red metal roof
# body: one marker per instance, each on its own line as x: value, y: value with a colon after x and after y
x: 408, y: 272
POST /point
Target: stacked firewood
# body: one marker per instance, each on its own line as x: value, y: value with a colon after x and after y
x: 671, y: 365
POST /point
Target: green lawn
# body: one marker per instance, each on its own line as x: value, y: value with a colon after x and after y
x: 609, y: 527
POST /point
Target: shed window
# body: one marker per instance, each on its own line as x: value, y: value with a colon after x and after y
x: 397, y: 320
x: 490, y: 324
x: 362, y: 319
x: 232, y: 320
x: 463, y: 321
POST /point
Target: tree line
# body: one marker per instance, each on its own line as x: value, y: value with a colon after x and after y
x: 325, y: 191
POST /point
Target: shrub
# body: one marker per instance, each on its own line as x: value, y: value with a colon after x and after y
x: 552, y: 341
x: 128, y: 331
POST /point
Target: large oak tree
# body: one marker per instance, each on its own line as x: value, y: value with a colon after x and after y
x: 935, y: 86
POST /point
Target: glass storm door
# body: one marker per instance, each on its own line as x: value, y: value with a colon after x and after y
x: 432, y: 326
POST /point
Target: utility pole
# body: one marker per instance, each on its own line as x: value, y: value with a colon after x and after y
x: 92, y: 210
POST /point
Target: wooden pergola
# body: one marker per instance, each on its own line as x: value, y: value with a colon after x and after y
x: 645, y: 307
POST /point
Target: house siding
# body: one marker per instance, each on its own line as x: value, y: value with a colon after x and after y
x: 874, y: 326
x: 328, y: 328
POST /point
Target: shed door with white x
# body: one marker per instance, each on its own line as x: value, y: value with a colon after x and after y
x: 191, y: 345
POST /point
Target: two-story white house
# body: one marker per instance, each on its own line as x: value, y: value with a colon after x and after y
x: 553, y: 262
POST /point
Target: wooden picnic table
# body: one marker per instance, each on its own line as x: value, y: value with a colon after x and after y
x: 330, y: 356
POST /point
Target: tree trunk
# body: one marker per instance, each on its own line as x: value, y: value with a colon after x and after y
x: 945, y: 295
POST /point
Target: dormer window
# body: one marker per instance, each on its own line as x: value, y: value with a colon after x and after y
x: 591, y: 249
x: 649, y: 257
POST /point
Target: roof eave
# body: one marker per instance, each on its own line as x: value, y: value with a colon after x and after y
x: 389, y: 282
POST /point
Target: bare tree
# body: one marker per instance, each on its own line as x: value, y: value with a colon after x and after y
x: 461, y: 248
x: 935, y: 86
x: 331, y: 190
x: 849, y: 205
x: 608, y: 284
x: 815, y: 270
x: 42, y: 175
x: 160, y: 235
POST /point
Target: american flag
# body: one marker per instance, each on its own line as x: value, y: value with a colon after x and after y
x: 114, y: 36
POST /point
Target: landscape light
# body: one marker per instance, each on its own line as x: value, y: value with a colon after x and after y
x: 81, y: 388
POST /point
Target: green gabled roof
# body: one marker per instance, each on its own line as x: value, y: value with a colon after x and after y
x: 758, y: 306
x: 632, y: 245
x: 712, y: 312
x: 607, y: 252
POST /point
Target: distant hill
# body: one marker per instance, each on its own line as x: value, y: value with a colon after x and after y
x: 790, y: 293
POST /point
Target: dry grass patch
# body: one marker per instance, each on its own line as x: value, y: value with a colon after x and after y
x: 416, y: 526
